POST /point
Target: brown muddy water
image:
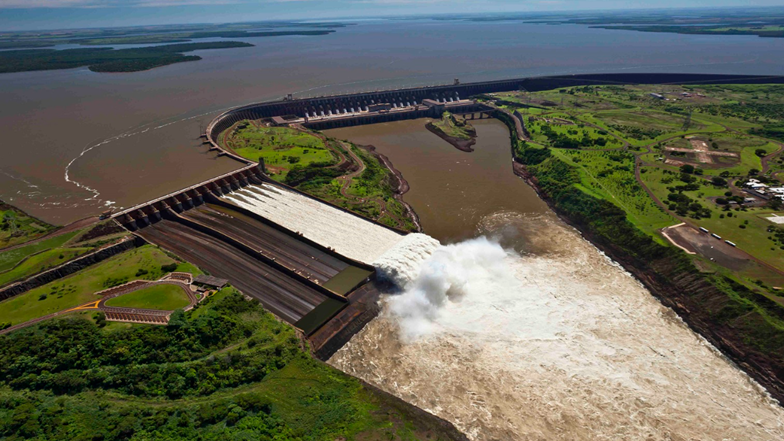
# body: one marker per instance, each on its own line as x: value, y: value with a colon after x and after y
x: 126, y: 138
x: 452, y: 191
x: 540, y: 337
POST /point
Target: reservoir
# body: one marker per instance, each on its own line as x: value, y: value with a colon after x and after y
x: 520, y: 329
x: 77, y: 142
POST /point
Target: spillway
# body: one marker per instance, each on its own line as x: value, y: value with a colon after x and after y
x: 347, y: 234
x: 561, y: 344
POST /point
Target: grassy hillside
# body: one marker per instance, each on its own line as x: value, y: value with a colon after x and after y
x: 226, y: 370
x: 18, y: 227
x: 141, y: 263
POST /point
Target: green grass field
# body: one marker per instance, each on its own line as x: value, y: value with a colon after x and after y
x: 280, y: 147
x: 610, y: 175
x: 731, y: 116
x: 79, y: 288
x: 40, y: 262
x: 753, y: 238
x: 9, y: 259
x: 17, y: 227
x: 163, y: 297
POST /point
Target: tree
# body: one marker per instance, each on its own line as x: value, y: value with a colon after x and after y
x: 719, y: 182
x: 10, y: 219
x: 761, y: 152
x: 687, y: 168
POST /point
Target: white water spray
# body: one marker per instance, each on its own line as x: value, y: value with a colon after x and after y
x: 556, y: 346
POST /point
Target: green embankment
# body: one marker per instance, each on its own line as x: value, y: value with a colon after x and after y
x: 225, y: 370
x: 141, y: 263
x: 307, y: 162
x: 163, y: 297
x: 12, y: 258
x: 281, y: 148
x: 17, y: 227
x: 41, y: 262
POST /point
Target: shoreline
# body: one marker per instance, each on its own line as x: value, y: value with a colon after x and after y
x: 672, y: 287
x: 402, y: 186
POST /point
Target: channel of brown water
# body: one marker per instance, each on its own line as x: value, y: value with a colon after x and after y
x: 552, y: 341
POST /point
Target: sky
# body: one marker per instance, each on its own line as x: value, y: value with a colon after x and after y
x: 62, y: 14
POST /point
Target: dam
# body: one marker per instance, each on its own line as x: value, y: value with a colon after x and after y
x: 309, y: 262
x: 565, y: 332
x: 305, y: 260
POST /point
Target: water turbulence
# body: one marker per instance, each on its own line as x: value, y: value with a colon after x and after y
x: 548, y: 346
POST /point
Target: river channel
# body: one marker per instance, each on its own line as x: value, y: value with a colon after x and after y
x: 520, y: 329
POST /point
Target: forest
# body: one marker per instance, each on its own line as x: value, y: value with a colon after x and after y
x: 224, y: 370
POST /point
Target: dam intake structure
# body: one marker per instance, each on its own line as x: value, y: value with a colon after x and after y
x: 328, y: 112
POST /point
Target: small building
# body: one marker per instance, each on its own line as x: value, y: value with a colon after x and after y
x: 658, y: 96
x: 210, y: 281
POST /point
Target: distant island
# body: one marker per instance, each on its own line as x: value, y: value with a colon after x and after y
x: 762, y: 22
x: 36, y: 50
x: 106, y: 59
x: 161, y: 34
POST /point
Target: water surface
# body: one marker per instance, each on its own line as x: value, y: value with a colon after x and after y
x: 140, y: 130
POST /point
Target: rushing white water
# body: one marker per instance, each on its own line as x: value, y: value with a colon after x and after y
x: 558, y: 345
x: 346, y: 233
x: 402, y: 262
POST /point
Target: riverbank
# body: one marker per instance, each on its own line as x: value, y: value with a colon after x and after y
x: 708, y: 304
x: 398, y: 183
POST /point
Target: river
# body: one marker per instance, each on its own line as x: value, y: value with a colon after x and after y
x: 519, y: 329
x: 77, y: 142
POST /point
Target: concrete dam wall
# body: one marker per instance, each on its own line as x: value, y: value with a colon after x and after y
x: 352, y: 103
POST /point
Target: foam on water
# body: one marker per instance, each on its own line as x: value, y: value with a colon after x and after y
x: 401, y: 263
x: 347, y: 234
x: 560, y: 345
